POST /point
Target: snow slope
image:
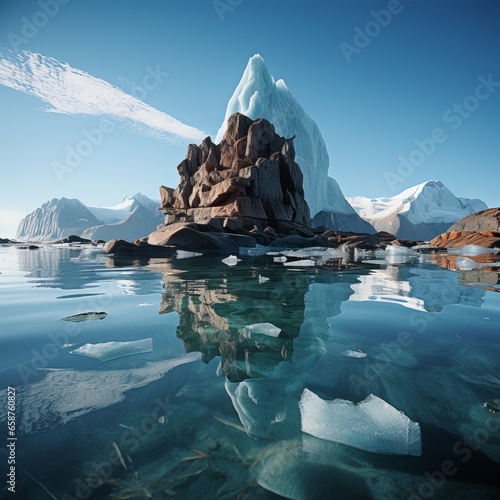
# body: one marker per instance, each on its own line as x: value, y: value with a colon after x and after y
x: 132, y: 218
x: 258, y: 95
x: 418, y: 213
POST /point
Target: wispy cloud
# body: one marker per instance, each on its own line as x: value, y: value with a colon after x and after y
x: 70, y: 91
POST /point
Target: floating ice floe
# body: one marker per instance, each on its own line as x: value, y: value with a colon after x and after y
x: 262, y: 279
x: 264, y: 329
x: 354, y: 354
x: 232, y: 260
x: 466, y: 264
x: 372, y: 425
x: 87, y: 316
x: 184, y: 254
x: 280, y: 259
x: 145, y: 304
x: 106, y: 351
x: 300, y: 263
x: 471, y: 250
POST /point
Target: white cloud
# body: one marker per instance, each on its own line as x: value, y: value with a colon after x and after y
x: 71, y: 91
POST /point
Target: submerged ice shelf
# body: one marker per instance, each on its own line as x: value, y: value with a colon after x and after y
x: 372, y: 425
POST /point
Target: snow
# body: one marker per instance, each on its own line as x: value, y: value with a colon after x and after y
x: 133, y: 218
x: 106, y: 351
x: 428, y: 203
x: 372, y: 425
x: 258, y: 95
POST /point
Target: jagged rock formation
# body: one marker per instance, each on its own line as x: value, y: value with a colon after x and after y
x: 251, y: 174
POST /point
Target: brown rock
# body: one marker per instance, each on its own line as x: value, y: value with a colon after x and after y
x: 457, y: 239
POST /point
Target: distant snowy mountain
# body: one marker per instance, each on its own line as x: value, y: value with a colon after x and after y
x: 418, y: 213
x: 258, y: 95
x: 132, y: 218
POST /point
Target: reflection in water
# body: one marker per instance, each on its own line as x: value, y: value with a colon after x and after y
x: 439, y: 374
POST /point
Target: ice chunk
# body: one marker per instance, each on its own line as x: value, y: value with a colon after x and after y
x: 372, y: 425
x: 262, y: 279
x: 232, y: 260
x: 184, y: 254
x: 354, y: 354
x: 466, y: 264
x: 280, y: 259
x: 264, y: 329
x: 87, y: 316
x: 300, y: 263
x: 106, y: 351
x: 472, y: 250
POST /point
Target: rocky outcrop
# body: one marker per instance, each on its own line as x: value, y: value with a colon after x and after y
x: 487, y: 220
x: 457, y: 239
x: 481, y: 228
x: 250, y: 175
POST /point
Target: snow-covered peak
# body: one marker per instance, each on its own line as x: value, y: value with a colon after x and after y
x: 429, y: 203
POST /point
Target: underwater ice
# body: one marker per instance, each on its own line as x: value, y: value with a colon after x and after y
x: 372, y: 425
x: 354, y: 354
x: 106, y: 351
x: 264, y: 328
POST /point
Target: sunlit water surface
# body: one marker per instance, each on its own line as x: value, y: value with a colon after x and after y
x: 202, y: 407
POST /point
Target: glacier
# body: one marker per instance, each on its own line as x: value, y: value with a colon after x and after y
x: 259, y: 95
x: 420, y: 212
x: 133, y: 218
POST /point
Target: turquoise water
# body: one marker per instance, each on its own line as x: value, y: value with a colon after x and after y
x: 193, y: 404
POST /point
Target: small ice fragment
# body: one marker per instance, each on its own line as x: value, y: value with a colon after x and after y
x: 465, y: 264
x: 301, y: 263
x: 232, y: 260
x: 262, y: 279
x: 279, y: 259
x: 372, y: 425
x: 354, y: 354
x: 87, y: 316
x: 471, y: 250
x: 184, y: 254
x: 106, y: 351
x: 264, y: 328
x: 145, y: 304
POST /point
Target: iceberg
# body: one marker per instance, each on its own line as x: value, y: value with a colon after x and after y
x: 372, y: 425
x: 106, y: 351
x: 259, y: 95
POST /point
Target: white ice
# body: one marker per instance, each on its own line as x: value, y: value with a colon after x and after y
x: 372, y: 425
x: 232, y: 260
x: 472, y: 250
x: 354, y: 354
x: 300, y: 263
x: 264, y: 328
x: 106, y: 351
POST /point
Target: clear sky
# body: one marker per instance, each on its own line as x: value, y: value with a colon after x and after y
x: 142, y: 79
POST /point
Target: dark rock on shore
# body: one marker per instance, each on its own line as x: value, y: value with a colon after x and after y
x: 138, y: 248
x: 74, y: 239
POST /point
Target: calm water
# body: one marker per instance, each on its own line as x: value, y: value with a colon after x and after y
x: 202, y: 407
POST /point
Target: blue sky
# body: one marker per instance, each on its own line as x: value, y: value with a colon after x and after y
x: 401, y: 80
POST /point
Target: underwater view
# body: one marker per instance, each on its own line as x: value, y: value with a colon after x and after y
x: 260, y: 376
